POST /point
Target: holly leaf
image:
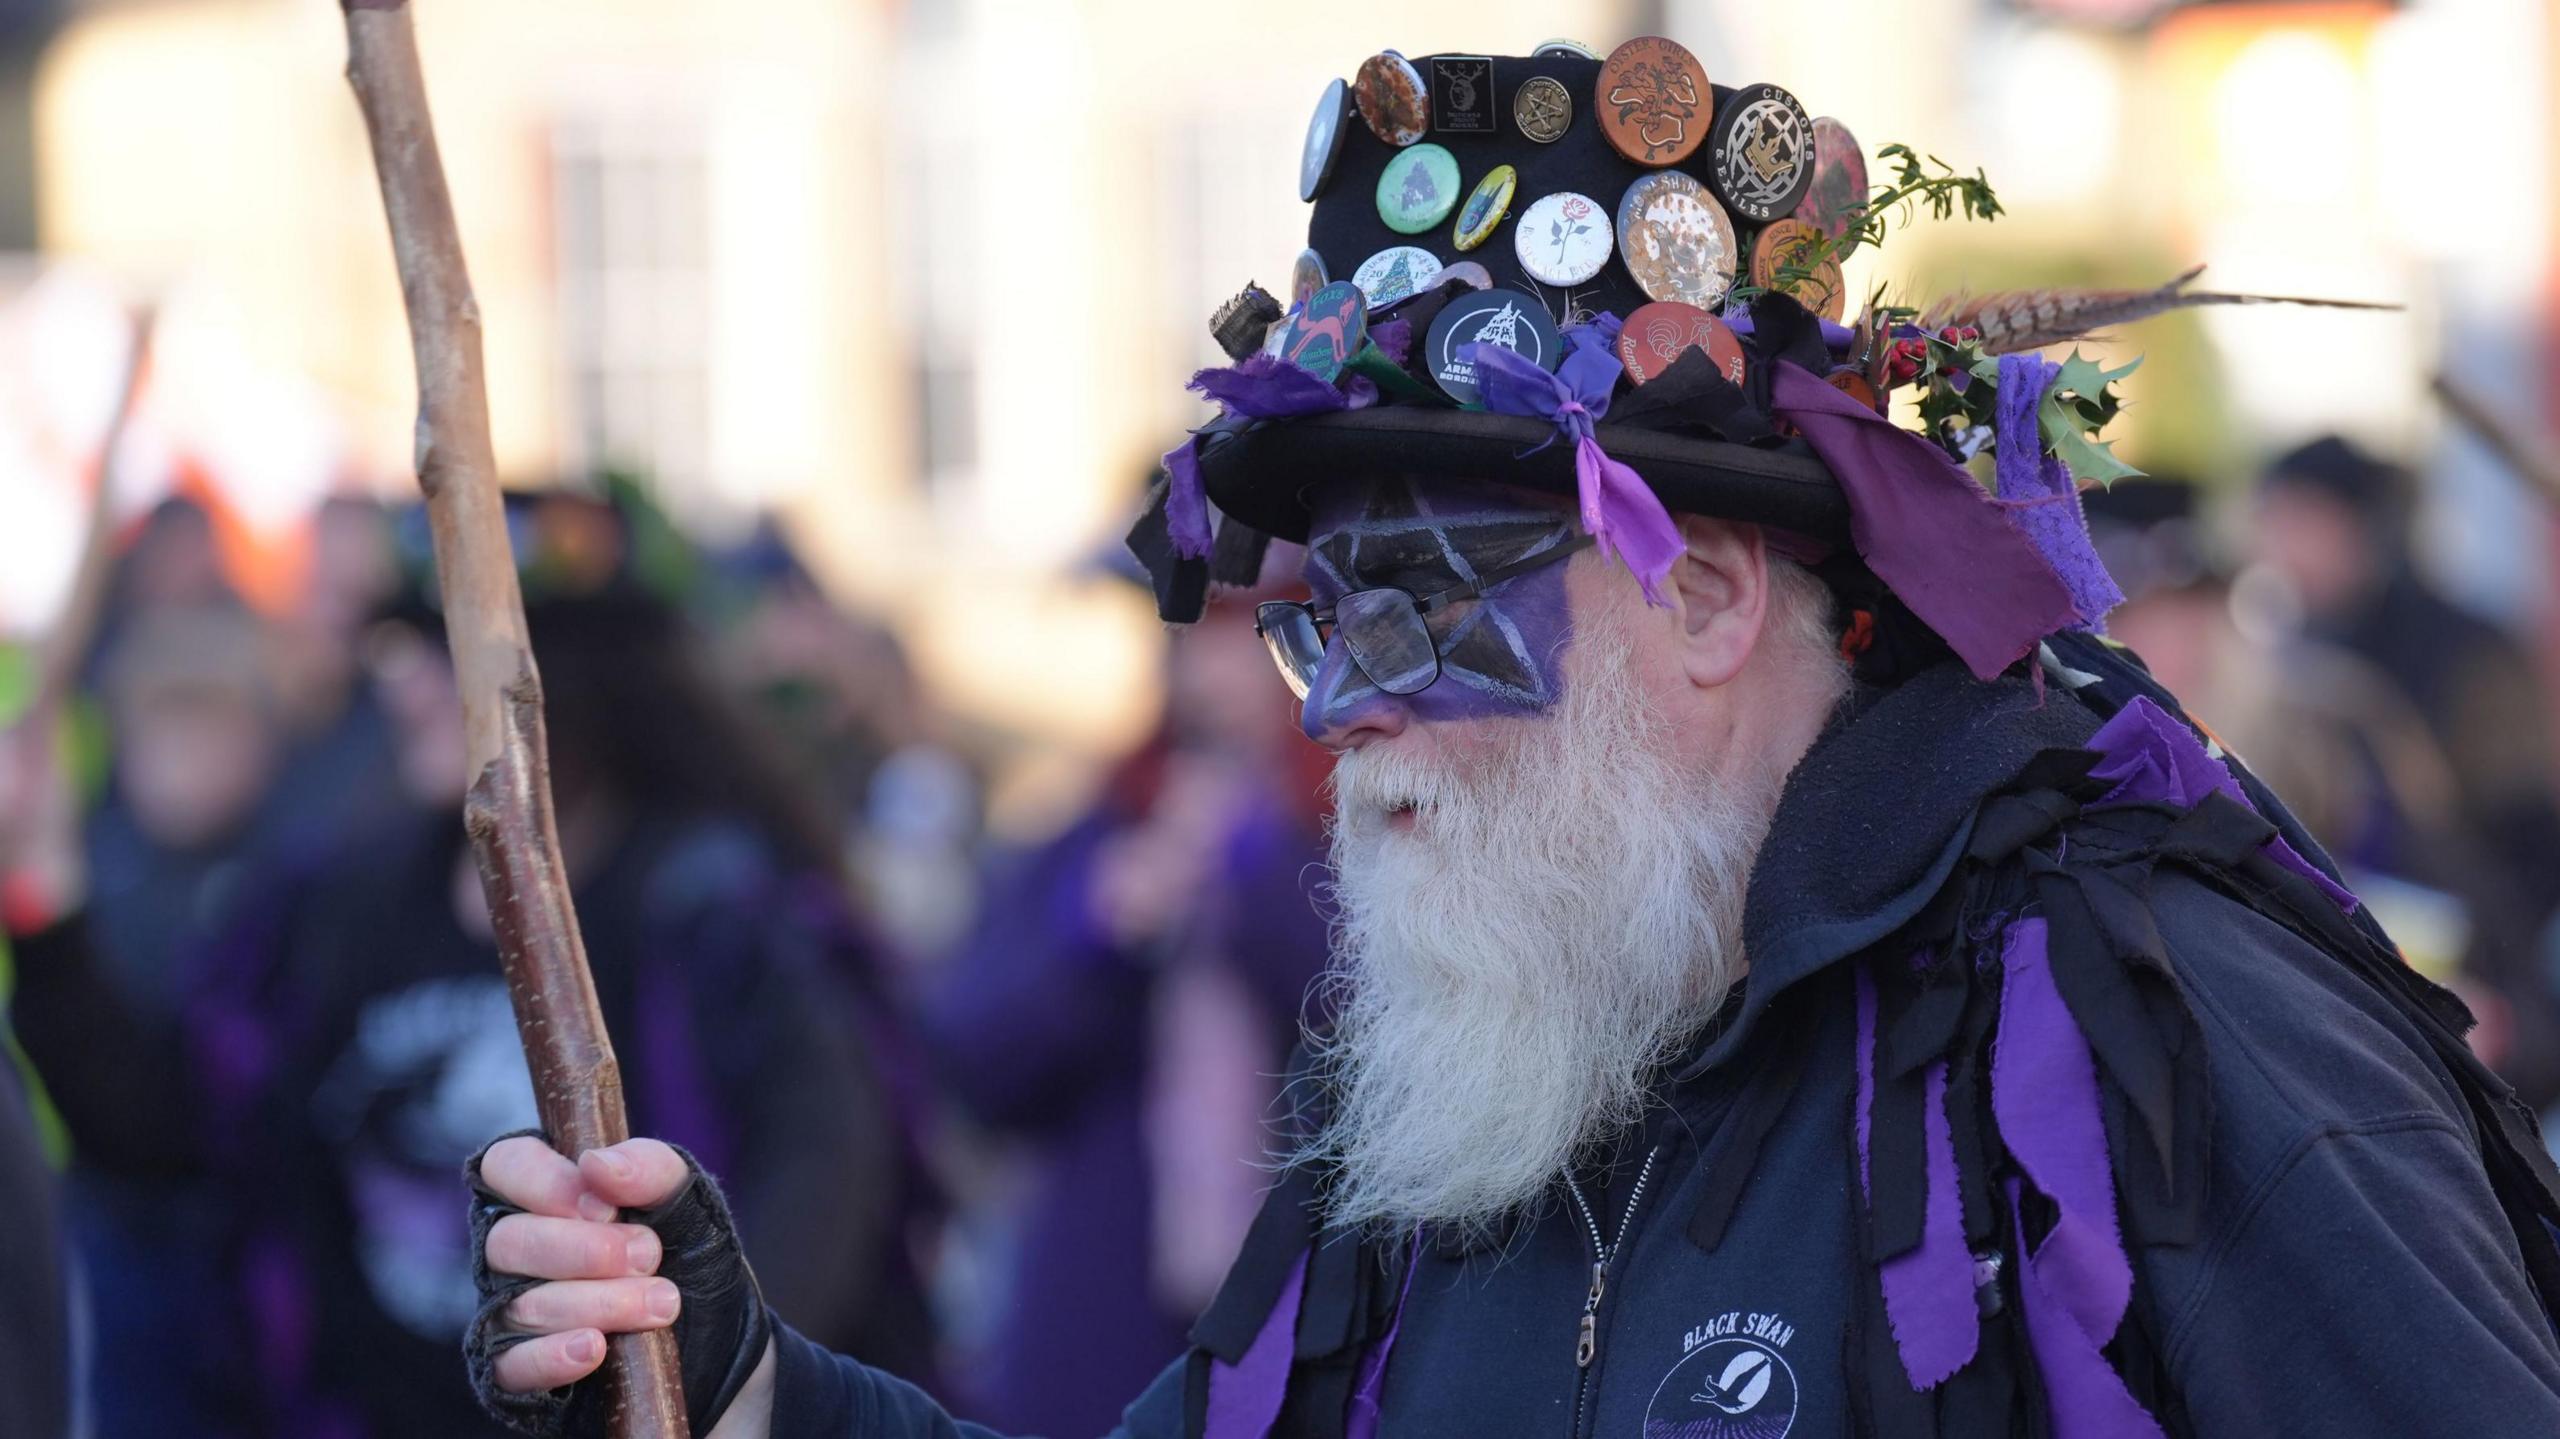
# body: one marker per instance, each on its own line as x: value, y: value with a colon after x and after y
x: 2074, y: 409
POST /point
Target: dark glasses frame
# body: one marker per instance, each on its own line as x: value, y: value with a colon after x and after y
x: 1383, y: 624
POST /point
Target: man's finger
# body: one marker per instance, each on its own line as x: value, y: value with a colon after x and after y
x: 616, y: 1306
x: 550, y: 1361
x: 537, y: 1246
x: 534, y: 1177
x: 635, y: 1174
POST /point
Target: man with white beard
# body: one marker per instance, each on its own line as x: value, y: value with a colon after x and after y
x: 1792, y: 980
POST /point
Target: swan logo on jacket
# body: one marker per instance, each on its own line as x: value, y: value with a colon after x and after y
x: 1732, y: 1382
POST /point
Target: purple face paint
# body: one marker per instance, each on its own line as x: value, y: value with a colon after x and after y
x: 1500, y: 654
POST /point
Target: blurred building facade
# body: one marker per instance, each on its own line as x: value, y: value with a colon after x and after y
x: 925, y: 277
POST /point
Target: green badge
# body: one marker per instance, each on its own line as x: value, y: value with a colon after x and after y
x: 1418, y: 189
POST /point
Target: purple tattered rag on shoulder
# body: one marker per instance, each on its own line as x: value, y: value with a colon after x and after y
x: 2040, y: 488
x: 1947, y: 549
x: 1260, y: 387
x: 2148, y: 755
x: 1619, y: 509
x: 1244, y: 1397
x: 1928, y: 1289
x: 2075, y: 1286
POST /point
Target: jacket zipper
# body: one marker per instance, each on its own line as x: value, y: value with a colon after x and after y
x: 1586, y: 1344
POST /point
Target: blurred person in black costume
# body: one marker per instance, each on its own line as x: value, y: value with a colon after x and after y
x: 2335, y: 522
x: 354, y: 1041
x: 2367, y: 775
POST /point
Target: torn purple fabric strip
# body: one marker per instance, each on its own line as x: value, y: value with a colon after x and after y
x: 2044, y: 496
x: 1619, y: 509
x: 1245, y: 1397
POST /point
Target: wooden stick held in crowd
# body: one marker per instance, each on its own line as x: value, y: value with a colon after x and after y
x: 508, y: 810
x: 2530, y: 455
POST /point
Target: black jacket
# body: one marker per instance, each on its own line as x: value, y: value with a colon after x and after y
x: 2305, y: 1174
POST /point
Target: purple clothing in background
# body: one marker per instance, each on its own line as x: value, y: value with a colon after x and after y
x: 1041, y: 1030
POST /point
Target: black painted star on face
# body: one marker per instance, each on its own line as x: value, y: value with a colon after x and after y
x: 1500, y: 653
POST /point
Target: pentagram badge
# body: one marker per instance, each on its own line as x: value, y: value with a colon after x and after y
x: 1543, y: 110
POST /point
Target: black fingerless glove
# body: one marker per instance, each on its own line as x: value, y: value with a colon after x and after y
x: 721, y: 1332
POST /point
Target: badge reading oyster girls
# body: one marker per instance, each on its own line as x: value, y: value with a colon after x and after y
x: 1394, y: 274
x: 1562, y: 239
x: 1418, y: 188
x: 1485, y: 207
x: 1392, y: 101
x: 1760, y: 154
x: 1328, y: 332
x: 1676, y: 240
x: 1839, y: 181
x: 1653, y: 101
x: 1657, y: 334
x: 1324, y: 139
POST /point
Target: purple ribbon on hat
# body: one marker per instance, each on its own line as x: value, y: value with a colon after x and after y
x: 1619, y: 509
x: 2041, y: 488
x: 2075, y: 1286
x: 1947, y: 549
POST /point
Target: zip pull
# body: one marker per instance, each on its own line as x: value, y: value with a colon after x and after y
x: 1589, y: 1343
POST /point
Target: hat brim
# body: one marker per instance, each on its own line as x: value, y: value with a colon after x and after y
x: 1264, y: 472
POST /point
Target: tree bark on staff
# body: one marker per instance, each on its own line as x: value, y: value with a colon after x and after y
x: 508, y: 811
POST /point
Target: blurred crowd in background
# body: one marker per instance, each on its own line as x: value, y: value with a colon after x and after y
x: 953, y: 913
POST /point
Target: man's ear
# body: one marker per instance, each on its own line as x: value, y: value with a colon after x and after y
x: 1723, y: 584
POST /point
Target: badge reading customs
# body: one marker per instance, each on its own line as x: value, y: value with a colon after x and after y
x: 1656, y: 335
x: 1306, y: 276
x: 1563, y: 239
x: 1418, y: 189
x: 1507, y: 318
x: 1653, y: 101
x: 1543, y: 110
x: 1485, y: 207
x: 1391, y: 98
x: 1324, y: 139
x: 1760, y: 154
x: 1329, y: 331
x: 1676, y: 240
x: 1462, y: 95
x: 1839, y: 181
x: 1394, y: 274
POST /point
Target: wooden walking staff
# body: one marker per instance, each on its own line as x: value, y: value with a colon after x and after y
x: 508, y: 810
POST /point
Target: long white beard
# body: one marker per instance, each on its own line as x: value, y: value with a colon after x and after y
x: 1513, y: 970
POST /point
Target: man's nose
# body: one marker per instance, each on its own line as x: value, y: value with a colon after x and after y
x: 1344, y: 710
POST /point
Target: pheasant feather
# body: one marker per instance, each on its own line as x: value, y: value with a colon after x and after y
x: 2015, y: 320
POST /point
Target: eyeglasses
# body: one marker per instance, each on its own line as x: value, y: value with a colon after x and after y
x: 1384, y: 629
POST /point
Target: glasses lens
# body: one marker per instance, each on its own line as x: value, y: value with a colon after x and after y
x: 1387, y: 636
x: 1289, y: 632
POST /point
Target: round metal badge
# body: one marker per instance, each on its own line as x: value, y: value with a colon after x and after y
x: 1418, y: 188
x: 1307, y: 275
x: 1394, y: 274
x: 1485, y: 207
x: 1543, y: 109
x: 1550, y: 49
x: 1784, y: 243
x: 1657, y: 334
x: 1760, y: 154
x: 1562, y: 239
x: 1839, y: 181
x: 1476, y: 276
x: 1392, y: 100
x: 1517, y: 322
x: 1653, y: 101
x: 1328, y: 331
x: 1324, y: 139
x: 1676, y: 240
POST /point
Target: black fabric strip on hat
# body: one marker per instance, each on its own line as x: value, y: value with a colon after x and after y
x: 1181, y: 584
x: 1235, y: 558
x: 1692, y: 396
